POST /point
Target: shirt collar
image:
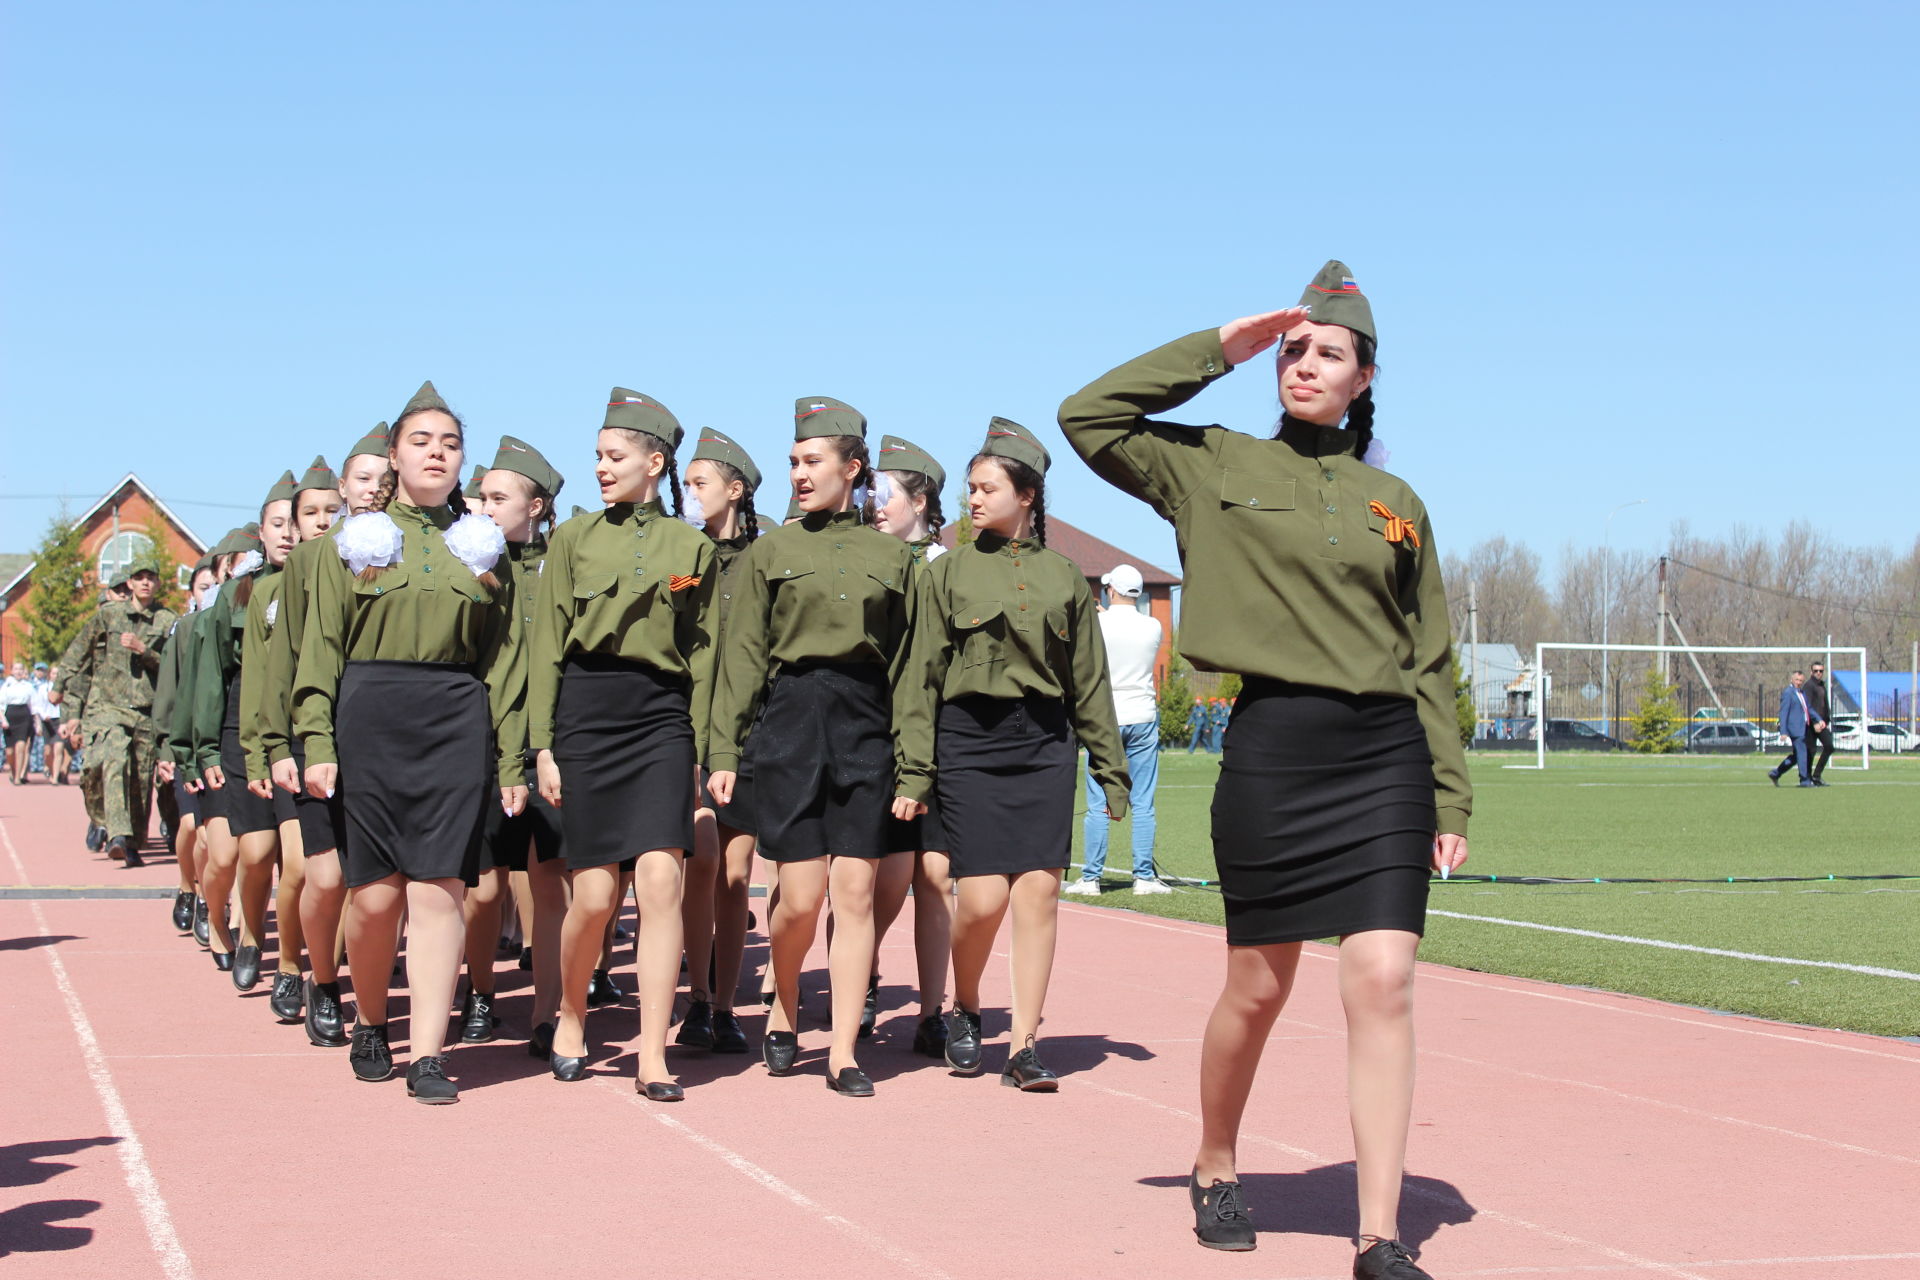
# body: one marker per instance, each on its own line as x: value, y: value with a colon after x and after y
x: 1313, y: 440
x: 995, y: 544
x: 815, y: 521
x: 440, y: 517
x: 633, y: 512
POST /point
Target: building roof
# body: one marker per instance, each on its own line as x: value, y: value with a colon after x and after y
x: 16, y: 569
x: 1094, y: 556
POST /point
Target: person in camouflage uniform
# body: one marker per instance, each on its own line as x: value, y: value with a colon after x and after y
x: 74, y: 732
x: 108, y: 672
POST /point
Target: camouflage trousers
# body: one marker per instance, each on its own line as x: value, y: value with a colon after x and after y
x: 120, y: 757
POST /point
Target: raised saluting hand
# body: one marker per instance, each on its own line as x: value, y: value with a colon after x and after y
x: 1243, y: 339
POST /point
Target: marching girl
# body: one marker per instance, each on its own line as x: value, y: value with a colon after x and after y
x: 1343, y: 783
x: 517, y: 494
x: 721, y: 480
x: 243, y: 836
x: 316, y: 505
x: 322, y: 820
x: 403, y: 666
x: 912, y: 514
x: 819, y: 629
x: 167, y: 771
x: 1011, y: 666
x: 619, y: 680
x: 190, y: 637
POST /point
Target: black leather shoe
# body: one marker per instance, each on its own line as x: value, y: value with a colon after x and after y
x: 930, y: 1037
x: 1819, y: 782
x: 427, y: 1082
x: 1806, y: 782
x: 1386, y: 1260
x: 285, y: 1000
x: 370, y: 1057
x: 183, y: 911
x: 963, y: 1042
x: 507, y: 950
x: 728, y: 1036
x: 323, y: 1015
x: 870, y: 1012
x: 601, y: 989
x: 246, y: 968
x: 223, y: 961
x: 567, y: 1069
x: 1024, y: 1071
x: 477, y: 1021
x: 659, y: 1091
x: 696, y: 1029
x: 778, y: 1049
x: 540, y: 1043
x: 1773, y: 777
x: 202, y: 927
x: 117, y: 849
x: 526, y: 959
x: 96, y: 837
x: 1220, y: 1218
x: 130, y: 857
x: 851, y: 1082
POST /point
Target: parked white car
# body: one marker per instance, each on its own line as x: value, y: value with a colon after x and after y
x: 1882, y: 735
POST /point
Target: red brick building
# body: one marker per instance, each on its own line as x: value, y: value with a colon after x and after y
x: 117, y: 528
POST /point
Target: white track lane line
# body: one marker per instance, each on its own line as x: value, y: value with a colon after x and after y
x: 799, y: 1199
x: 133, y: 1156
x: 1614, y: 1269
x: 1870, y: 970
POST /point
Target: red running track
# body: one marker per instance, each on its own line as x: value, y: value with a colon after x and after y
x: 157, y: 1123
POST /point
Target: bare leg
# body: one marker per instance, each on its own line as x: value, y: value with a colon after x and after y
x: 523, y: 906
x: 1036, y: 916
x: 976, y: 922
x: 216, y: 882
x: 257, y: 849
x: 373, y: 922
x: 1258, y: 982
x: 606, y: 939
x: 730, y: 893
x: 184, y: 840
x: 323, y: 897
x: 286, y: 903
x: 436, y: 932
x: 1376, y: 990
x: 596, y: 893
x: 802, y: 892
x: 850, y: 953
x: 932, y: 928
x: 657, y: 886
x: 547, y: 901
x: 482, y: 908
x: 767, y: 984
x: 696, y: 904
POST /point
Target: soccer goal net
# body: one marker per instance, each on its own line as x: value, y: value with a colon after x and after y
x: 1585, y: 697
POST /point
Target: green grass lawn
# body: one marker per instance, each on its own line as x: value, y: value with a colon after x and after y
x: 1612, y: 816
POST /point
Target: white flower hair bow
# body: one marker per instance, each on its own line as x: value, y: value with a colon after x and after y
x: 692, y: 511
x: 476, y: 542
x: 370, y: 540
x: 246, y: 564
x: 1376, y: 454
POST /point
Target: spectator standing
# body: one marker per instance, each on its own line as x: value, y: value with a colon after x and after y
x: 1133, y: 644
x: 46, y: 722
x: 16, y: 692
x: 1196, y: 724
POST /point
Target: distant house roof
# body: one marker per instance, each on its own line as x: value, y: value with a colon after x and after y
x: 1093, y: 555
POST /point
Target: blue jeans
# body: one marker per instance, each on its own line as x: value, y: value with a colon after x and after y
x: 1142, y: 742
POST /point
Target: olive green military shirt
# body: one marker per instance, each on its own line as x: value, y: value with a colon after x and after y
x: 429, y: 607
x: 166, y: 687
x: 1005, y: 619
x: 628, y: 582
x: 100, y: 677
x: 274, y: 727
x: 262, y: 619
x: 525, y: 561
x: 727, y: 555
x: 219, y: 658
x: 825, y: 589
x: 1289, y: 572
x: 191, y: 637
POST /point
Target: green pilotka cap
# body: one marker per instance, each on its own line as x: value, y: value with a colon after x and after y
x: 141, y: 563
x: 471, y: 490
x: 631, y: 411
x: 716, y: 447
x: 319, y: 476
x: 825, y: 416
x: 374, y: 444
x: 425, y: 398
x: 1336, y: 299
x: 897, y: 454
x: 1011, y: 440
x: 283, y: 489
x: 520, y: 457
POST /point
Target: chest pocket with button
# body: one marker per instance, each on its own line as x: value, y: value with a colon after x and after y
x: 384, y: 583
x: 598, y: 586
x: 978, y: 632
x: 1251, y: 491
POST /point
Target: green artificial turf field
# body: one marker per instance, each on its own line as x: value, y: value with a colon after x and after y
x: 1592, y: 816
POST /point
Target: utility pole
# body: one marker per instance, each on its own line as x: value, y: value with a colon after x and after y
x: 1663, y: 618
x: 1473, y: 652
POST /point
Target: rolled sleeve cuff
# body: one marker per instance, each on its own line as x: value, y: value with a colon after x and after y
x: 915, y: 786
x: 724, y: 761
x: 1453, y: 822
x: 320, y: 750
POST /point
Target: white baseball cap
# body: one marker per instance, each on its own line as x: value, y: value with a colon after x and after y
x: 1124, y: 580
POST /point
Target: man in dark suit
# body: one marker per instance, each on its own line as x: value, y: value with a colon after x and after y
x: 1820, y: 741
x: 1796, y: 721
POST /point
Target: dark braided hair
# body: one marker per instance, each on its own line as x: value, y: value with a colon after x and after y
x: 745, y: 517
x: 1025, y: 479
x: 919, y: 484
x: 649, y: 442
x: 1360, y: 412
x: 850, y: 449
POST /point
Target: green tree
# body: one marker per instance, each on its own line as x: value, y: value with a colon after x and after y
x: 1657, y: 722
x: 1463, y: 709
x: 60, y: 598
x: 1176, y: 700
x: 963, y: 530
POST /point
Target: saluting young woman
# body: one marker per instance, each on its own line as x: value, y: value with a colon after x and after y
x: 617, y: 693
x: 322, y: 820
x: 912, y: 514
x: 1010, y: 667
x: 722, y: 479
x: 1343, y: 784
x: 404, y: 663
x: 517, y: 494
x: 818, y: 631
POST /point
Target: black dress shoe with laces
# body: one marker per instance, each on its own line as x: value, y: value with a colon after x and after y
x: 202, y: 926
x: 96, y: 838
x: 601, y: 989
x: 1024, y: 1071
x: 370, y: 1057
x: 728, y: 1036
x: 1386, y: 1260
x: 526, y: 959
x: 477, y: 1021
x: 930, y: 1037
x: 963, y: 1042
x: 246, y: 968
x: 870, y: 1011
x: 285, y: 1000
x: 850, y: 1082
x: 778, y: 1049
x: 427, y: 1082
x: 540, y: 1043
x: 183, y: 911
x: 696, y: 1029
x: 323, y: 1015
x: 1220, y: 1218
x: 130, y: 857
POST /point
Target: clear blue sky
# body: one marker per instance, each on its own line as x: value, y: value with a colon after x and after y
x: 1615, y: 251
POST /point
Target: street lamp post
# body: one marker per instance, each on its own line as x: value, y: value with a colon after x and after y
x: 1606, y: 608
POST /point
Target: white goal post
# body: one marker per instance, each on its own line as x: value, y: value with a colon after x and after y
x: 1828, y: 652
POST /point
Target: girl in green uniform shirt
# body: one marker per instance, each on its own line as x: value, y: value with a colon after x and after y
x: 818, y: 633
x: 1010, y: 667
x: 517, y: 494
x: 721, y: 480
x: 617, y: 693
x: 405, y: 662
x: 179, y: 745
x: 187, y: 835
x: 1313, y: 574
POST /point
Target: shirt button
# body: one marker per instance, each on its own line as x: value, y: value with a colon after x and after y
x: 843, y: 595
x: 638, y: 571
x: 1327, y: 474
x: 1023, y: 608
x: 426, y: 568
x: 1022, y: 587
x: 1333, y: 542
x: 1332, y: 509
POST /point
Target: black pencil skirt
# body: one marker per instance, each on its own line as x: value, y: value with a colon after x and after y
x: 623, y: 739
x: 822, y: 762
x: 416, y: 770
x: 536, y: 827
x: 187, y: 802
x: 737, y: 813
x: 1006, y: 782
x: 1324, y: 817
x: 323, y: 823
x: 19, y: 723
x: 246, y: 812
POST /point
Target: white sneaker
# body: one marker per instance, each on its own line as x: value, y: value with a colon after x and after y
x: 1149, y: 886
x: 1084, y: 888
